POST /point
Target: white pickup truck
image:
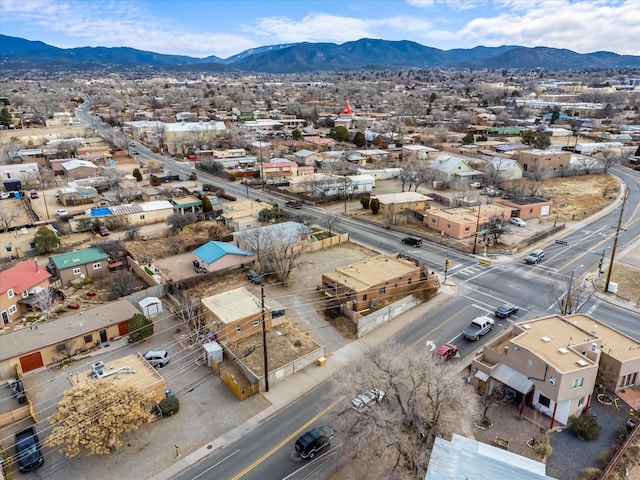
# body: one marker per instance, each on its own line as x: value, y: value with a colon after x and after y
x: 479, y: 326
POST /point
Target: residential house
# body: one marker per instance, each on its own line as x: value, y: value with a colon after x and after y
x: 27, y: 173
x: 401, y: 201
x: 238, y: 313
x: 418, y: 153
x: 19, y: 285
x: 278, y: 171
x: 529, y: 207
x: 220, y: 256
x: 465, y: 458
x: 76, y: 169
x: 188, y: 204
x: 177, y: 135
x: 79, y: 195
x: 463, y: 222
x: 85, y: 263
x: 501, y: 169
x: 359, y: 285
x: 553, y: 363
x: 242, y: 214
x: 57, y: 339
x: 456, y: 169
x: 544, y: 163
x: 146, y: 213
x: 306, y: 157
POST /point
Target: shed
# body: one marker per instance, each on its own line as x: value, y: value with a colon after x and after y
x: 150, y: 306
x: 212, y: 351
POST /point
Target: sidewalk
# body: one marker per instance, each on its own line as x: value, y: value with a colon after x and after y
x: 284, y: 393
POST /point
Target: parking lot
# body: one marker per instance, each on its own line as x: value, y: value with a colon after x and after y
x: 207, y: 410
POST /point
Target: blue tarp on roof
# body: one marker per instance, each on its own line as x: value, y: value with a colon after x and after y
x: 100, y: 212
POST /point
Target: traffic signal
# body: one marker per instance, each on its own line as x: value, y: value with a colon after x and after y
x: 600, y: 266
x: 447, y: 263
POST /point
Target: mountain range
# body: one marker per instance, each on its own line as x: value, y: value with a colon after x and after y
x: 19, y: 54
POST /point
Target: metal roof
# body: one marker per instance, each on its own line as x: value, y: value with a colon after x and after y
x: 512, y: 378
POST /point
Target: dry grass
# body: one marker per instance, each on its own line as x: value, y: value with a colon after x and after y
x: 628, y: 279
x: 285, y: 343
x: 575, y: 198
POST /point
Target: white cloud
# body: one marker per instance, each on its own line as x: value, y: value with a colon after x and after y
x: 586, y: 26
x: 316, y: 27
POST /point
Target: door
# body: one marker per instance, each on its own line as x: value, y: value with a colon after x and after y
x: 103, y: 336
x: 31, y: 362
x: 5, y: 317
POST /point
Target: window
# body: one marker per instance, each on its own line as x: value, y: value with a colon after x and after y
x: 580, y: 402
x: 25, y: 294
x: 76, y: 271
x: 239, y: 328
x: 448, y: 225
x: 382, y: 291
x: 142, y: 217
x: 88, y: 339
x: 10, y: 293
x: 12, y: 309
x: 577, y: 382
x: 466, y: 229
x: 364, y: 297
x: 433, y: 220
x: 544, y: 401
x: 97, y: 266
x: 409, y: 280
x: 256, y: 322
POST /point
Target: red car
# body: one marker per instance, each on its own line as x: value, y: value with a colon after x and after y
x: 104, y: 231
x: 447, y: 351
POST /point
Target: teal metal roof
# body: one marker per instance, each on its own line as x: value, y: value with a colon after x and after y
x: 79, y: 257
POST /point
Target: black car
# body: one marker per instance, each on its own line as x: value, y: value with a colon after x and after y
x: 292, y: 204
x: 314, y: 440
x: 413, y: 241
x: 506, y: 310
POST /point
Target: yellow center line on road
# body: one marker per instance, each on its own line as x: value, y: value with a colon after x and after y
x: 286, y: 440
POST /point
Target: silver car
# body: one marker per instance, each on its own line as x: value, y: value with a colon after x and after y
x: 368, y: 398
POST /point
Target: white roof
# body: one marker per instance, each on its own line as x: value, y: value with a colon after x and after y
x: 155, y: 205
x: 401, y: 197
x: 76, y: 163
x: 193, y: 127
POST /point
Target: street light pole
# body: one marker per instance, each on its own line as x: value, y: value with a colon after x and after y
x: 475, y: 240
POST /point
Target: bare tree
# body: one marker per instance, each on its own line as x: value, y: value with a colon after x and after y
x: 6, y: 218
x: 570, y: 293
x: 587, y: 164
x: 609, y: 158
x: 188, y: 309
x: 276, y: 249
x: 330, y: 221
x: 175, y: 244
x: 393, y: 214
x: 122, y: 283
x: 425, y: 399
x: 45, y: 299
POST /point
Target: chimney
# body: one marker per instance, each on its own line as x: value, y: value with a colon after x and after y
x: 37, y: 266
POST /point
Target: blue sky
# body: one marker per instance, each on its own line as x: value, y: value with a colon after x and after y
x: 200, y: 28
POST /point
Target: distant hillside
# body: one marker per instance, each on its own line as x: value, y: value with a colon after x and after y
x: 19, y: 54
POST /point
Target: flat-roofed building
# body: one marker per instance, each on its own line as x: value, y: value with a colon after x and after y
x: 462, y: 222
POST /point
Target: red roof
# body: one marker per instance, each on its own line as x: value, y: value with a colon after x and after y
x: 347, y: 110
x: 22, y: 277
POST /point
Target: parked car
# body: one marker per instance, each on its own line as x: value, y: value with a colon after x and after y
x: 103, y: 231
x: 535, y: 257
x: 5, y: 195
x: 157, y: 358
x: 61, y: 212
x: 447, y: 351
x: 412, y: 241
x: 254, y: 278
x: 34, y: 194
x: 28, y: 446
x: 314, y: 440
x: 135, y: 152
x: 478, y: 327
x: 518, y: 221
x: 475, y: 185
x: 292, y: 204
x: 366, y: 399
x: 506, y: 310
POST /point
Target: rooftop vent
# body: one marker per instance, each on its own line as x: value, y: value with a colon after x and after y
x: 545, y: 339
x: 526, y: 326
x: 563, y: 350
x: 582, y: 363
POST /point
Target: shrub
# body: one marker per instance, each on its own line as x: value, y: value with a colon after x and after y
x: 169, y: 406
x: 590, y: 473
x: 584, y: 427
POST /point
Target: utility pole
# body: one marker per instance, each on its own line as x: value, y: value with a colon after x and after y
x: 446, y: 261
x: 475, y: 240
x: 264, y: 339
x: 615, y: 241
